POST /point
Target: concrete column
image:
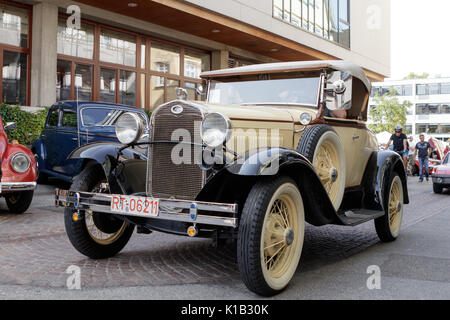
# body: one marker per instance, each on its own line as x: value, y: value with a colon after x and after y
x: 44, y: 55
x: 220, y: 59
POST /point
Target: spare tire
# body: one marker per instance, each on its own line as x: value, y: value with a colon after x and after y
x: 321, y: 145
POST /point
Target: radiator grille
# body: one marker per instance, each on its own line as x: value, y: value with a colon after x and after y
x: 182, y: 181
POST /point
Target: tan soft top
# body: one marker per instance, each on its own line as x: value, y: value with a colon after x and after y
x: 338, y: 65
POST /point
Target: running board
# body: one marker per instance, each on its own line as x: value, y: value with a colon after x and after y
x: 358, y: 216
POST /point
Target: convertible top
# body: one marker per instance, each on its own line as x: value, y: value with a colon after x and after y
x: 338, y: 65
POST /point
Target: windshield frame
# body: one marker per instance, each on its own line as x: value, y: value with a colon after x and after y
x: 317, y: 105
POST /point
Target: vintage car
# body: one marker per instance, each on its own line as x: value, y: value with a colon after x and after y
x: 18, y: 172
x: 441, y: 175
x: 69, y: 125
x: 273, y: 147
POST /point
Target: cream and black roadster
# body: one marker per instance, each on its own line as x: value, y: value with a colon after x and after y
x: 273, y: 147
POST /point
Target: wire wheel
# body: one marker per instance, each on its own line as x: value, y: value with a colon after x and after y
x: 280, y: 236
x: 326, y: 163
x: 96, y: 232
x: 395, y: 209
x: 321, y: 145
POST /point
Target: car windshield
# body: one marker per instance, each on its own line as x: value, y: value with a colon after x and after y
x: 265, y: 89
x: 93, y: 117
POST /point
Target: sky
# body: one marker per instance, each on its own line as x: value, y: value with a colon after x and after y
x: 420, y: 39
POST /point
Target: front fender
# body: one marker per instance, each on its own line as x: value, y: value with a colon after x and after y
x: 125, y: 169
x: 233, y: 183
x: 39, y: 148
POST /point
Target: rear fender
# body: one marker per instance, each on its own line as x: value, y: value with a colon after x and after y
x: 389, y: 162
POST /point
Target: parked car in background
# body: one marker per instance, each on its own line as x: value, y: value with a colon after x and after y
x: 306, y: 157
x: 70, y: 125
x: 441, y: 175
x: 18, y: 172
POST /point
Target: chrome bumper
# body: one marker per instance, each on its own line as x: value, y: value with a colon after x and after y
x: 441, y: 179
x: 169, y: 209
x: 17, y: 186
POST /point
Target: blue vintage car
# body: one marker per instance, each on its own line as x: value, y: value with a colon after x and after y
x: 70, y: 125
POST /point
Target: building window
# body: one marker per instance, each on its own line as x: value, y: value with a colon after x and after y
x: 128, y: 68
x: 108, y: 85
x: 74, y: 42
x: 445, y: 88
x: 127, y: 88
x: 14, y: 78
x: 422, y: 89
x: 14, y: 25
x: 117, y: 48
x: 327, y: 18
x: 14, y: 53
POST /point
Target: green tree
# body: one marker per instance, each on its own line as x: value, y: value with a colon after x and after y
x: 413, y: 76
x: 387, y: 113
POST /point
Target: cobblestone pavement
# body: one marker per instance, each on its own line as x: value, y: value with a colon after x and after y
x: 35, y: 250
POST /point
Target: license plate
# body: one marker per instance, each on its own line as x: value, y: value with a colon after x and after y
x: 139, y: 206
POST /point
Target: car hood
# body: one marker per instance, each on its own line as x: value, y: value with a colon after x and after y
x: 443, y: 169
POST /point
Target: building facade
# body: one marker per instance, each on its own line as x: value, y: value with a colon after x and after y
x: 137, y: 52
x: 430, y: 104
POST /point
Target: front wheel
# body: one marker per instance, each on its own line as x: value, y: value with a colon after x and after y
x: 19, y: 202
x: 388, y: 226
x: 437, y: 188
x: 96, y: 235
x: 271, y: 234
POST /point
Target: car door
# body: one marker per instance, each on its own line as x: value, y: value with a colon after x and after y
x: 66, y: 140
x: 49, y: 138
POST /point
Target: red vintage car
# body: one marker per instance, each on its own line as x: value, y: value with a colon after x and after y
x: 18, y: 172
x: 441, y: 175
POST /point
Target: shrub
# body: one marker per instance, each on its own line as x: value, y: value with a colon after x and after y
x: 29, y: 125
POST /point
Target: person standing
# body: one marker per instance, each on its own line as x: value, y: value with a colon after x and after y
x: 423, y: 148
x: 411, y: 158
x: 400, y: 141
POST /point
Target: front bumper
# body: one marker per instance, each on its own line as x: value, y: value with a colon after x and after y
x: 441, y: 180
x: 17, y: 186
x: 169, y: 209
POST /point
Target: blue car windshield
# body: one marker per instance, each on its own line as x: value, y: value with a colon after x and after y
x: 99, y: 117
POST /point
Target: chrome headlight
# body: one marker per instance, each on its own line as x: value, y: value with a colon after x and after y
x: 305, y: 119
x: 216, y: 129
x: 129, y: 128
x: 20, y: 163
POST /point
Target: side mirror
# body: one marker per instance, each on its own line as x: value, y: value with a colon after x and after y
x: 10, y: 126
x: 338, y: 87
x: 200, y: 90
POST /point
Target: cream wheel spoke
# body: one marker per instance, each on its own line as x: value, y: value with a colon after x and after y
x: 276, y: 253
x: 274, y: 244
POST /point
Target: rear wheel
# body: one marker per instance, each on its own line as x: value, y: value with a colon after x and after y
x: 388, y: 226
x: 19, y: 202
x: 271, y: 234
x: 96, y: 235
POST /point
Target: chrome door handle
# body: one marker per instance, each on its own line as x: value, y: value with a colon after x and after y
x: 74, y: 139
x: 355, y: 137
